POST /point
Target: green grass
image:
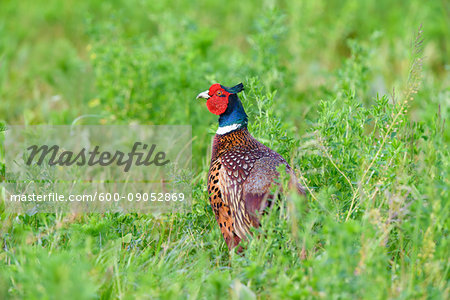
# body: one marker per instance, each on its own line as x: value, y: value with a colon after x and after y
x: 332, y: 86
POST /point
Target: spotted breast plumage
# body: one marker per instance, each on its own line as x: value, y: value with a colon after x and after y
x: 242, y: 170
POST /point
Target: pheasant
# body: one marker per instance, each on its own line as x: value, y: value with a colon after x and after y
x: 242, y: 170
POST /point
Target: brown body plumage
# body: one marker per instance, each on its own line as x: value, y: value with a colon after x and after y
x: 240, y: 177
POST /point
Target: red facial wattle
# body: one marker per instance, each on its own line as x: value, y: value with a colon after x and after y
x: 217, y: 105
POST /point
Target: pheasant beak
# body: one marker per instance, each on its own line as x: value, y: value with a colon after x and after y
x: 204, y: 95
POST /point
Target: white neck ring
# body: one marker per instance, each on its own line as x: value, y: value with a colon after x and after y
x: 227, y: 129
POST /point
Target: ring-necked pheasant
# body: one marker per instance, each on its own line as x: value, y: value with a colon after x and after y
x: 242, y: 169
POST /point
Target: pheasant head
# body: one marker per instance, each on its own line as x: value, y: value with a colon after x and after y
x: 224, y: 102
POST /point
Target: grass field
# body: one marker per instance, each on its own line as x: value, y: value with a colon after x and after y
x: 355, y: 94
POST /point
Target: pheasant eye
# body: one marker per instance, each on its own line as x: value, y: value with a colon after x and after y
x: 219, y: 93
